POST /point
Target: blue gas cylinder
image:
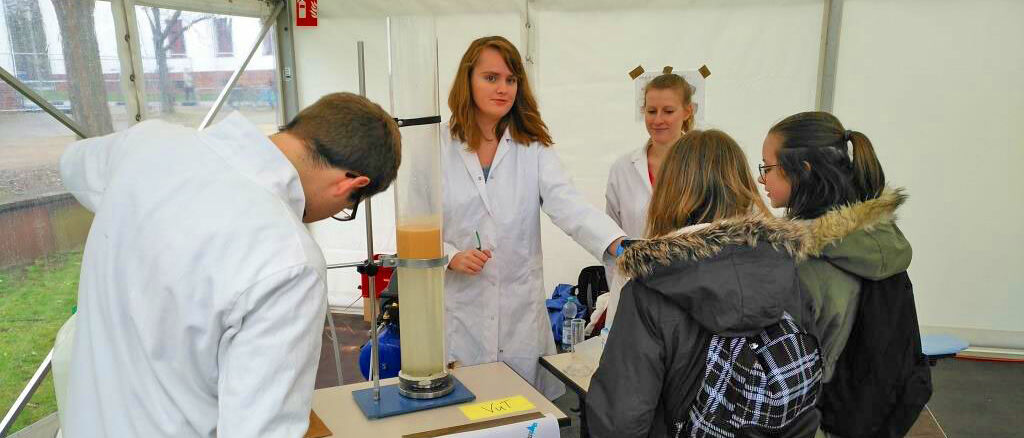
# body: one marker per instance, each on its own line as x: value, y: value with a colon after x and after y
x: 390, y: 354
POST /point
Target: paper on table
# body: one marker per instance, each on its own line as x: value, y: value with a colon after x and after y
x: 494, y: 408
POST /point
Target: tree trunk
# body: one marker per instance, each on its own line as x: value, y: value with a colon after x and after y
x: 160, y: 33
x: 164, y: 79
x: 87, y: 90
x: 28, y: 40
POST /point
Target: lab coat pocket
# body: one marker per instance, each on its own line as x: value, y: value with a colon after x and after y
x: 488, y: 234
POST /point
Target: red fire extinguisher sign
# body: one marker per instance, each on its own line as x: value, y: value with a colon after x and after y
x: 305, y: 12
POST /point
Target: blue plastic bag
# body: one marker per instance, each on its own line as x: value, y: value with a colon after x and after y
x: 555, y: 303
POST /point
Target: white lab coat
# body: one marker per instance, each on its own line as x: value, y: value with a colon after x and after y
x: 499, y: 314
x: 202, y: 295
x: 626, y: 199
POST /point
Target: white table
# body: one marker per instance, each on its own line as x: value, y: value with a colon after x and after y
x: 338, y: 410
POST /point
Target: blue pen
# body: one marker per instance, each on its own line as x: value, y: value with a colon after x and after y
x: 478, y: 245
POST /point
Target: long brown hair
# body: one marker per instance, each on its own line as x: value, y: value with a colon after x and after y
x: 523, y: 120
x: 815, y: 160
x: 704, y: 178
x: 674, y: 82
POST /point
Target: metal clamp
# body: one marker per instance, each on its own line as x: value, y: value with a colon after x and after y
x: 391, y: 261
x: 429, y: 120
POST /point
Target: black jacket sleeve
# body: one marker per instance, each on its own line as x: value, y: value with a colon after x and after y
x: 626, y: 388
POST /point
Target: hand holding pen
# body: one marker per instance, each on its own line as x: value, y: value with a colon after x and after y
x: 470, y: 261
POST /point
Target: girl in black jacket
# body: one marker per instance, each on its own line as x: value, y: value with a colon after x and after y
x: 716, y: 263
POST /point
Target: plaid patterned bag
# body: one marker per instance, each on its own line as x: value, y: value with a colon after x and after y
x: 760, y: 383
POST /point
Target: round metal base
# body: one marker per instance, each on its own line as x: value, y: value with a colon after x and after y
x: 425, y: 389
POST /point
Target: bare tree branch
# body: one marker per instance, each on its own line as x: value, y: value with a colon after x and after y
x: 173, y: 39
x: 153, y: 14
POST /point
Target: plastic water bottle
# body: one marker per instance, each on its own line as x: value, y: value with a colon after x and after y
x: 569, y: 310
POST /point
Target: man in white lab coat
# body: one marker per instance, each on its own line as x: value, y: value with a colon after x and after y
x: 202, y: 295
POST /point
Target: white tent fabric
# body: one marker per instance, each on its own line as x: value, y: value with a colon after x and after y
x: 928, y: 82
x: 936, y: 86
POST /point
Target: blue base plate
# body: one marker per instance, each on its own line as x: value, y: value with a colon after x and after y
x: 392, y: 403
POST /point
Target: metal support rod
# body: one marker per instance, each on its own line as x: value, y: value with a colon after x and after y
x: 375, y: 348
x: 345, y: 265
x: 287, y: 79
x: 391, y: 77
x: 832, y: 22
x: 368, y: 206
x: 334, y: 339
x: 241, y: 68
x: 362, y: 69
x: 28, y: 92
x: 26, y: 394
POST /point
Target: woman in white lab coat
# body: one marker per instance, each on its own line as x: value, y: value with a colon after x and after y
x: 499, y: 173
x: 668, y: 114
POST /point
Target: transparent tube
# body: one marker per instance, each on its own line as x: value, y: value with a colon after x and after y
x: 422, y: 322
x: 413, y: 74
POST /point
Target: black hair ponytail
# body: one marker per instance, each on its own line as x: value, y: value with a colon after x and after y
x: 868, y: 176
x: 816, y: 161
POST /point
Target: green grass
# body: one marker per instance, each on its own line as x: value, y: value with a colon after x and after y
x: 35, y: 300
x: 55, y: 95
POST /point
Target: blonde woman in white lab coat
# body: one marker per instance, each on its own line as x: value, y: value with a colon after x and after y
x: 499, y: 173
x: 668, y: 114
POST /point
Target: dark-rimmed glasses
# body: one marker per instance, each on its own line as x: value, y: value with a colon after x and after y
x: 763, y: 169
x: 349, y: 213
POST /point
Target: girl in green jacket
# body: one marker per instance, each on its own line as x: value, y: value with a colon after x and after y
x: 829, y: 179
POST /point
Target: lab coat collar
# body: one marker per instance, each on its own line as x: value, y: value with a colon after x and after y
x: 472, y: 163
x: 252, y: 153
x: 639, y: 159
x: 504, y: 144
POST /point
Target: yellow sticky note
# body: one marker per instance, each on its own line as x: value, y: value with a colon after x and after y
x: 494, y: 408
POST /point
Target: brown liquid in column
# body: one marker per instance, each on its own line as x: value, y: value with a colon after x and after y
x: 419, y: 243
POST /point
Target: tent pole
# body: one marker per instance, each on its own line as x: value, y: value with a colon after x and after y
x: 831, y: 27
x: 26, y: 394
x: 44, y: 104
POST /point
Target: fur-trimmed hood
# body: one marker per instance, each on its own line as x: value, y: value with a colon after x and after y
x: 733, y: 276
x: 706, y: 240
x: 862, y: 238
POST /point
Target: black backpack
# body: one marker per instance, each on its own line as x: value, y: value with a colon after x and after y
x: 591, y: 283
x: 882, y: 379
x: 763, y: 385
